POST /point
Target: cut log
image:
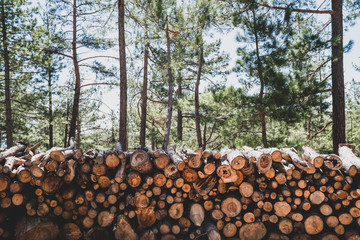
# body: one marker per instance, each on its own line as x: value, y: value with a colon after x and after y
x: 146, y: 217
x: 123, y: 230
x: 71, y: 231
x: 112, y: 160
x: 227, y: 173
x: 212, y: 232
x: 282, y: 209
x: 105, y: 218
x: 312, y: 157
x: 333, y: 162
x: 286, y: 226
x: 231, y: 207
x: 236, y: 159
x: 28, y: 228
x: 176, y: 210
x: 292, y: 155
x: 350, y: 163
x: 313, y: 225
x: 252, y: 231
x: 197, y: 214
x: 12, y: 151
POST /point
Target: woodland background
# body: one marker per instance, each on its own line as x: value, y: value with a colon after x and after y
x: 161, y: 64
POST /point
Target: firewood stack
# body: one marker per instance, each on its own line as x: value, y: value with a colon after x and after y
x: 242, y: 193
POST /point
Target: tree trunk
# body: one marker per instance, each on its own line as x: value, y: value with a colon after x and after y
x: 337, y: 74
x: 75, y: 109
x: 171, y: 89
x: 8, y: 111
x: 197, y: 114
x: 50, y: 117
x: 67, y: 119
x: 179, y: 114
x: 261, y: 93
x: 144, y: 97
x: 123, y: 78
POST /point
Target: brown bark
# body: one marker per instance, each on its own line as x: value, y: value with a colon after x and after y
x: 123, y: 139
x: 197, y: 85
x: 36, y: 228
x: 170, y: 90
x: 6, y: 57
x: 76, y: 102
x: 144, y: 93
x: 337, y: 75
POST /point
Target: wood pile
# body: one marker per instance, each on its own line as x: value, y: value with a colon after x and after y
x: 244, y: 193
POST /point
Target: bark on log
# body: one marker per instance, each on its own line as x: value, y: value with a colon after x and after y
x: 28, y: 228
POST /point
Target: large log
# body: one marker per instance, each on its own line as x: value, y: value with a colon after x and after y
x: 252, y: 231
x: 28, y: 228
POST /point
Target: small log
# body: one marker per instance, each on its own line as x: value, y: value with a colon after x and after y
x: 317, y: 197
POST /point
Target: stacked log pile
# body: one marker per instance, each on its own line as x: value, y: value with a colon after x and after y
x: 179, y: 194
